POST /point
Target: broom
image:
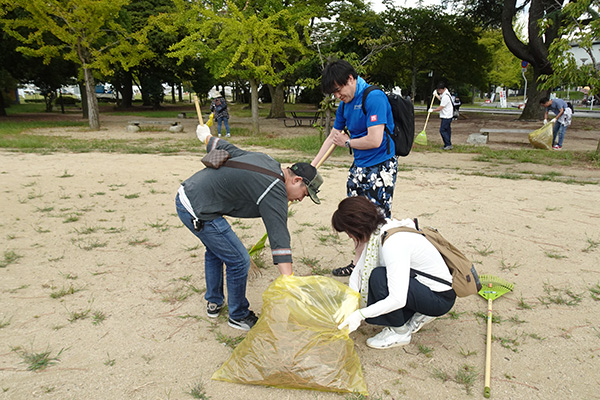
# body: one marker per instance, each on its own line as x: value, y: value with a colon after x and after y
x: 421, y: 138
x: 492, y: 288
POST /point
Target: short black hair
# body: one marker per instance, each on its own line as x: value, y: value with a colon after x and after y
x: 335, y: 74
x: 544, y: 100
x: 441, y: 85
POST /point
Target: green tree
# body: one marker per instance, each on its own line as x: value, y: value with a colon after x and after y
x: 543, y: 27
x: 240, y: 43
x: 504, y: 68
x: 86, y: 33
x: 581, y: 25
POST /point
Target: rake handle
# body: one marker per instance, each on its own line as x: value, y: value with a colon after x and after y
x: 198, y: 111
x: 428, y: 113
x: 488, y: 351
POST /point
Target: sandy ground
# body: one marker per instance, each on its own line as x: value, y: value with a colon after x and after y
x: 103, y: 226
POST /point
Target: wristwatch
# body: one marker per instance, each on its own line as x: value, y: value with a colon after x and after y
x: 348, y: 144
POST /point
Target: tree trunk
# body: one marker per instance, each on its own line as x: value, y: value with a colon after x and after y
x: 2, y: 105
x: 254, y: 105
x: 127, y: 90
x: 536, y: 50
x: 84, y: 104
x: 277, y: 101
x: 533, y: 110
x: 92, y: 101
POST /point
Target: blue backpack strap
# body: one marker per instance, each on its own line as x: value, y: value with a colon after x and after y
x: 364, y: 100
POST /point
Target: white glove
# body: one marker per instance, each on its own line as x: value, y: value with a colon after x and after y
x: 553, y: 120
x: 545, y: 121
x: 435, y: 93
x: 202, y: 132
x: 431, y: 110
x: 352, y: 322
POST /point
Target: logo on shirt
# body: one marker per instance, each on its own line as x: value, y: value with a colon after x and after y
x: 374, y: 118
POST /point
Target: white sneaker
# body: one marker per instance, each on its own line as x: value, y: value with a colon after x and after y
x: 417, y: 321
x: 390, y: 337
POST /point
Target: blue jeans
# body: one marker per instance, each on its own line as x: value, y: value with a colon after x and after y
x: 446, y: 131
x: 222, y: 246
x: 558, y: 130
x: 226, y: 121
x: 419, y: 299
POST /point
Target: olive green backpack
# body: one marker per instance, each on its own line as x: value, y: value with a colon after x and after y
x: 465, y: 280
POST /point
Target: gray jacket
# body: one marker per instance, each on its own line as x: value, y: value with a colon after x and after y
x: 243, y: 194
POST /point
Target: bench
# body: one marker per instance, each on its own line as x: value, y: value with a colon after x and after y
x: 298, y: 120
x: 484, y: 134
x: 134, y: 126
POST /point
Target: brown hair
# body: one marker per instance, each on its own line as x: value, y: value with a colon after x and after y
x: 358, y: 217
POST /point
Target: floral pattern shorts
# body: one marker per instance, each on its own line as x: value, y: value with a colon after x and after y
x: 375, y: 183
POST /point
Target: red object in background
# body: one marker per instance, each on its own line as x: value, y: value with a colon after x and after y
x: 488, y: 101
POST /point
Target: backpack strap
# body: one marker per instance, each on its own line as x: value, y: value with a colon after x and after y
x: 413, y: 272
x: 364, y: 100
x: 250, y: 167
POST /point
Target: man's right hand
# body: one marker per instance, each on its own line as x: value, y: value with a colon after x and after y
x: 203, y: 132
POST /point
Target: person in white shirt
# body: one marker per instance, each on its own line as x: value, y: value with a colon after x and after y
x: 446, y: 111
x: 391, y: 293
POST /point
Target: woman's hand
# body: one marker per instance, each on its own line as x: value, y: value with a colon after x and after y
x: 352, y: 322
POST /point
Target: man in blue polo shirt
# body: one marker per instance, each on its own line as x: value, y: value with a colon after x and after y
x: 373, y: 172
x: 562, y: 119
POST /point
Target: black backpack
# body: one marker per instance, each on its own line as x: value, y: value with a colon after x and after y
x: 570, y: 105
x: 404, y: 121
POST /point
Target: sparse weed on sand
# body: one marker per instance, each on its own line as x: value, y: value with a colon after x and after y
x: 37, y: 361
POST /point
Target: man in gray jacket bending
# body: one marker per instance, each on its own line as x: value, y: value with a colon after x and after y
x: 204, y: 198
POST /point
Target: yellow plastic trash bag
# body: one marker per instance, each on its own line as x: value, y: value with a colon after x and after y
x: 295, y: 343
x: 542, y: 138
x: 211, y: 117
x: 421, y: 138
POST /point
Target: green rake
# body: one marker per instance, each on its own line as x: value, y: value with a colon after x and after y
x: 491, y: 288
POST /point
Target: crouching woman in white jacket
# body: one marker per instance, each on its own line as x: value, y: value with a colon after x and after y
x: 391, y: 294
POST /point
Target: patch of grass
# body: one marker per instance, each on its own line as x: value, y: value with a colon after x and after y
x: 98, y: 317
x: 515, y: 320
x: 507, y: 343
x: 160, y: 225
x: 440, y: 374
x: 77, y: 315
x: 523, y: 304
x: 496, y: 319
x: 595, y: 292
x: 4, y: 323
x: 466, y: 376
x: 132, y: 196
x: 485, y: 251
x: 197, y: 391
x: 93, y: 244
x: 426, y: 351
x: 559, y: 296
x: 505, y: 266
x: 66, y: 175
x: 313, y: 264
x: 467, y: 353
x: 591, y: 245
x: 454, y: 314
x: 229, y: 341
x: 109, y: 362
x: 64, y: 292
x: 10, y: 257
x: 71, y: 218
x: 554, y: 255
x: 37, y: 361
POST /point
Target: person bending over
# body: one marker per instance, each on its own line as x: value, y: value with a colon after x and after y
x: 390, y: 295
